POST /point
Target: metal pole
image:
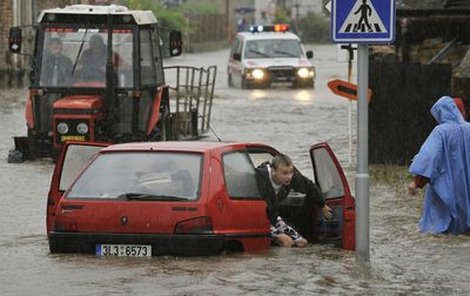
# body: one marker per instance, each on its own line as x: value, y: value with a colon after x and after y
x: 350, y: 59
x: 362, y: 174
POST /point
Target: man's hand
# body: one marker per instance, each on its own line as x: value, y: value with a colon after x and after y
x: 326, y: 212
x: 412, y: 188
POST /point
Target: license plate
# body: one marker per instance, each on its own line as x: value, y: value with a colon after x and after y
x: 118, y: 250
x: 72, y: 138
x: 280, y: 84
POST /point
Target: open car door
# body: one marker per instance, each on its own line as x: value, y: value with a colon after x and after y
x: 329, y: 176
x: 72, y: 159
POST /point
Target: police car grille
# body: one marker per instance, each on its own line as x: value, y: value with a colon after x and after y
x: 281, y: 73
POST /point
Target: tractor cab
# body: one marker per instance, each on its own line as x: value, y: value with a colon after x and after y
x: 97, y: 75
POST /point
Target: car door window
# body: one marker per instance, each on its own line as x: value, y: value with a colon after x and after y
x: 258, y: 157
x: 239, y: 176
x: 237, y: 47
x: 327, y: 174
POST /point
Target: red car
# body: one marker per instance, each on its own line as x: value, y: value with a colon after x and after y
x: 181, y: 198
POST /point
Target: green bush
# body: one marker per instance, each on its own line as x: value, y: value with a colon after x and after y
x: 172, y: 19
x: 314, y: 28
x: 199, y: 8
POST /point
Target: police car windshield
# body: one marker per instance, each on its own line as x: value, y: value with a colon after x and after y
x: 272, y: 48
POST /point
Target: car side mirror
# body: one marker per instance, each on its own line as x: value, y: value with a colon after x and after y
x: 14, y: 40
x: 237, y: 56
x: 309, y: 54
x: 176, y: 43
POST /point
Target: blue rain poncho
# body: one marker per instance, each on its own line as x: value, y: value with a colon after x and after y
x: 444, y: 159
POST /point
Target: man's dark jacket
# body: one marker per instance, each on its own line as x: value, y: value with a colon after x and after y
x: 64, y: 70
x: 299, y: 183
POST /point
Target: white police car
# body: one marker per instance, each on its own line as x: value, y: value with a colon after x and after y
x: 268, y: 56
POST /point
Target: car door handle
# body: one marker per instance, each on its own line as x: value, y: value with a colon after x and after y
x: 71, y: 207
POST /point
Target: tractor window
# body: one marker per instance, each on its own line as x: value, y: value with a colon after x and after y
x: 76, y: 57
x: 123, y: 52
x: 158, y: 56
x: 147, y: 70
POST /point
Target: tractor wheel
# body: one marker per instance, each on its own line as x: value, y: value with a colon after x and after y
x: 15, y: 156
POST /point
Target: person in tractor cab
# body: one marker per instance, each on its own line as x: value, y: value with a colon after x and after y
x: 56, y: 67
x: 275, y: 180
x: 92, y: 63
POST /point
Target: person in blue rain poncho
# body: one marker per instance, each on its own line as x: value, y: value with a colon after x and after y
x: 444, y: 162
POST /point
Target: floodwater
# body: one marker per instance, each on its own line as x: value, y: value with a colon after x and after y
x: 403, y: 261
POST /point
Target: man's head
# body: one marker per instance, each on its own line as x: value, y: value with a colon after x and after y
x: 55, y: 46
x: 97, y: 43
x: 282, y: 169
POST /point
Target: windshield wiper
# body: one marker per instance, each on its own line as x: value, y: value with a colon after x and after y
x: 146, y: 196
x: 286, y: 53
x: 79, y: 51
x: 259, y: 53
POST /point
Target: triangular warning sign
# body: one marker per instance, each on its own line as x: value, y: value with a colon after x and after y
x: 363, y: 18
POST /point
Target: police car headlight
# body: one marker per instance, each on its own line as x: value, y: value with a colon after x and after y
x: 62, y: 128
x: 82, y: 128
x: 304, y: 72
x: 258, y: 74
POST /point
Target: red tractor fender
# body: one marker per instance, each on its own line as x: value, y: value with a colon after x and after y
x: 155, y: 112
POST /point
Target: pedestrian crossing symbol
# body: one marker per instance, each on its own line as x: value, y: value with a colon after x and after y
x: 363, y: 21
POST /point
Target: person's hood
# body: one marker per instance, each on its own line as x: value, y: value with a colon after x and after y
x: 445, y: 110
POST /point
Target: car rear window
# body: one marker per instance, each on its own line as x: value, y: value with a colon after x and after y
x: 153, y: 175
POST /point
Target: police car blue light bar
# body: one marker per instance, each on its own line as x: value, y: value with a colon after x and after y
x: 269, y: 28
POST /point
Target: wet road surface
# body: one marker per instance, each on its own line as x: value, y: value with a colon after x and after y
x: 403, y: 262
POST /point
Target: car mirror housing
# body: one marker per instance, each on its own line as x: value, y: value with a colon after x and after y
x: 309, y: 54
x: 176, y: 43
x: 236, y: 56
x: 14, y: 40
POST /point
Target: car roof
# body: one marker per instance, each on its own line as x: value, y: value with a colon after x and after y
x: 268, y: 35
x: 180, y: 146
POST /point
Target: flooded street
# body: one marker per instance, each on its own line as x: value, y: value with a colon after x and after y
x: 403, y: 261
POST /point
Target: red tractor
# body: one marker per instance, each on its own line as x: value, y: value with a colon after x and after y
x: 97, y: 75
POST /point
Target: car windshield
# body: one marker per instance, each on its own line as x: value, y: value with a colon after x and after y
x: 140, y: 176
x: 272, y: 48
x: 76, y: 57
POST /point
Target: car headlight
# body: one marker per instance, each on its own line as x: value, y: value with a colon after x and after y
x: 305, y: 72
x: 82, y: 128
x: 62, y: 128
x: 258, y: 74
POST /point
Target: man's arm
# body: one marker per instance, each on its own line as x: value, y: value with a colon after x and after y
x: 263, y: 182
x: 304, y: 184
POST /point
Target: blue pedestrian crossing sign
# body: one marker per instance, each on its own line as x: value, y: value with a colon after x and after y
x: 363, y: 21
